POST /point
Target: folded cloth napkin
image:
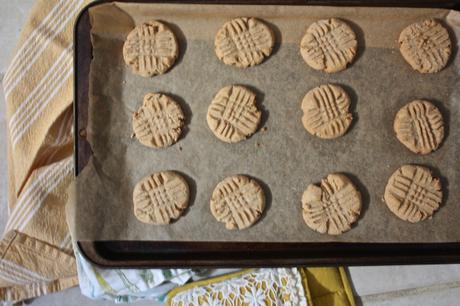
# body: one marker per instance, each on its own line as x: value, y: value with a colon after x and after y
x: 36, y: 249
x: 281, y: 286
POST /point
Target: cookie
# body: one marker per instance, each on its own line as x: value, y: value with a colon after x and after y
x: 237, y: 201
x: 244, y: 42
x: 233, y: 115
x: 333, y: 207
x: 413, y: 194
x: 158, y: 122
x: 160, y: 197
x: 426, y: 46
x: 419, y: 126
x: 329, y: 45
x: 326, y: 111
x: 150, y: 49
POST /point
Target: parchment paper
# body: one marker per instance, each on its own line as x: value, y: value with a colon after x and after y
x: 285, y: 158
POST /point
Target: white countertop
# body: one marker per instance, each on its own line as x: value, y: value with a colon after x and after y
x: 375, y: 286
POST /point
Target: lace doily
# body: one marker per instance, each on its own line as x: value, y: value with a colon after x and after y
x: 260, y: 287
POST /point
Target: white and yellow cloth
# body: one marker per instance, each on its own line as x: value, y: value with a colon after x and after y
x: 271, y: 287
x: 36, y: 255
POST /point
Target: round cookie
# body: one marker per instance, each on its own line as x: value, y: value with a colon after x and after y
x: 150, y: 49
x: 426, y: 46
x: 326, y: 111
x: 158, y: 122
x: 244, y: 42
x: 333, y: 207
x: 237, y: 201
x: 419, y: 126
x: 329, y: 45
x: 160, y: 197
x: 413, y: 194
x: 233, y: 115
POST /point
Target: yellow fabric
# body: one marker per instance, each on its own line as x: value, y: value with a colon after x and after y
x: 34, y: 267
x: 327, y: 286
x: 35, y: 253
x: 322, y: 287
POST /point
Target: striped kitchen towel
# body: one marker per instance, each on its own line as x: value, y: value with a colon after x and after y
x: 36, y: 255
x: 36, y: 250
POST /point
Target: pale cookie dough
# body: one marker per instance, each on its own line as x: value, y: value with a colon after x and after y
x: 160, y: 197
x: 426, y: 46
x: 329, y: 45
x: 413, y: 194
x: 333, y: 207
x: 326, y: 111
x: 244, y: 42
x: 419, y: 126
x: 237, y: 201
x: 233, y: 115
x: 150, y: 49
x: 158, y: 122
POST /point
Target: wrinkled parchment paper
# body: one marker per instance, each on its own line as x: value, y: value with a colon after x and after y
x: 284, y: 158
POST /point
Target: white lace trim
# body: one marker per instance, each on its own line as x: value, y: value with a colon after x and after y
x: 272, y: 287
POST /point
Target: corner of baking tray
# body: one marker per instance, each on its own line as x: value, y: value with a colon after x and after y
x: 83, y: 11
x: 87, y: 251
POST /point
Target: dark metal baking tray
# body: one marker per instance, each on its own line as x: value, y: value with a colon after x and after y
x: 237, y: 254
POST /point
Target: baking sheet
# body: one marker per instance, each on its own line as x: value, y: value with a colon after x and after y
x: 284, y: 158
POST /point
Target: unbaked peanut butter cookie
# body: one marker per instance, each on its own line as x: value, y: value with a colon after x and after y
x: 158, y: 122
x: 238, y: 201
x: 329, y: 45
x: 332, y: 207
x: 160, y: 197
x: 419, y: 126
x: 150, y: 49
x: 244, y: 42
x: 233, y: 115
x: 426, y: 46
x: 326, y: 111
x: 413, y: 194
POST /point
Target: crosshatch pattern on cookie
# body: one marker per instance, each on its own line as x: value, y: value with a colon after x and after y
x: 158, y: 122
x: 329, y: 45
x: 426, y: 46
x: 332, y: 207
x: 244, y: 42
x: 160, y: 197
x: 237, y: 201
x: 326, y: 111
x: 150, y: 49
x: 233, y: 115
x: 419, y: 126
x: 413, y: 194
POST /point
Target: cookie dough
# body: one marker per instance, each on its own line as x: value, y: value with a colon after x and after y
x: 326, y: 111
x: 426, y: 46
x: 233, y: 115
x: 244, y: 42
x: 413, y: 194
x: 329, y: 45
x: 150, y: 49
x: 160, y: 197
x: 332, y: 207
x: 158, y: 122
x: 419, y: 126
x: 237, y: 201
